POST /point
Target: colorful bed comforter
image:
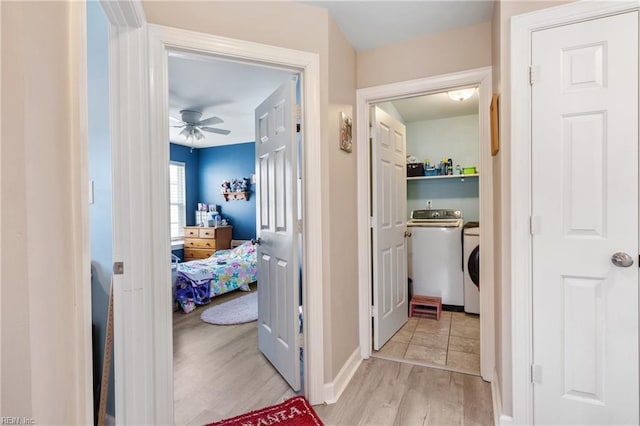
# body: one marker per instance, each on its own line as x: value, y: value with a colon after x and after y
x: 226, y: 270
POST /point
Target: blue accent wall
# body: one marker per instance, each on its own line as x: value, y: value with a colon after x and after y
x: 191, y: 160
x: 226, y: 163
x: 100, y: 173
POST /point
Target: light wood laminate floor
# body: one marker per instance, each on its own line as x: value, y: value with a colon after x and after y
x: 384, y: 392
x: 219, y: 373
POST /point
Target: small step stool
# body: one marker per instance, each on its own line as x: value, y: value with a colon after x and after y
x: 425, y: 306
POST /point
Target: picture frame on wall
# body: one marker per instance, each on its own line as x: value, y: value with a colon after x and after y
x: 495, y: 124
x: 346, y: 132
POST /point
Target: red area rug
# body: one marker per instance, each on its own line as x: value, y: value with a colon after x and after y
x: 292, y: 412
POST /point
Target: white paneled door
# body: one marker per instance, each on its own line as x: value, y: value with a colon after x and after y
x: 584, y: 211
x: 390, y: 287
x: 277, y: 229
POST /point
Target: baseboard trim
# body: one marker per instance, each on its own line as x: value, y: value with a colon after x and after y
x: 334, y: 389
x: 499, y: 418
x: 109, y: 420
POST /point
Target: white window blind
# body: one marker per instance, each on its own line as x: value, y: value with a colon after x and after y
x: 177, y: 199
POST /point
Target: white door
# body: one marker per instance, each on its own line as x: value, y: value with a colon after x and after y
x: 585, y: 209
x: 390, y: 287
x: 278, y: 269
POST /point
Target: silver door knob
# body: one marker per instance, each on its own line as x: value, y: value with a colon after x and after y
x: 256, y: 241
x: 407, y: 234
x: 621, y: 259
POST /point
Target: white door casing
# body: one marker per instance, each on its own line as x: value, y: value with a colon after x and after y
x: 143, y: 356
x: 584, y: 171
x: 371, y: 95
x: 390, y: 287
x: 276, y: 197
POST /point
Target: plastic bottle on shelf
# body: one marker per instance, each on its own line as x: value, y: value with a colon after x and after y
x: 458, y: 170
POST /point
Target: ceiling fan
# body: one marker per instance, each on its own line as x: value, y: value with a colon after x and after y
x: 193, y: 126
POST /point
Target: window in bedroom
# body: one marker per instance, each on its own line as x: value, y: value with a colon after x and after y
x: 177, y: 199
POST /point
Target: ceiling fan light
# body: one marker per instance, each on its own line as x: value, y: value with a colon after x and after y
x: 198, y: 134
x: 185, y: 133
x: 461, y: 95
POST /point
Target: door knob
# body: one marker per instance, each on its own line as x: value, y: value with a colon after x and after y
x: 621, y: 259
x: 407, y: 234
x: 256, y: 241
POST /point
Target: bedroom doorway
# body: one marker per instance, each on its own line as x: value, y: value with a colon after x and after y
x: 219, y: 216
x: 142, y: 320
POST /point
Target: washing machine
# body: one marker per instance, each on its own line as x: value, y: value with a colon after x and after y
x: 471, y: 265
x: 435, y: 255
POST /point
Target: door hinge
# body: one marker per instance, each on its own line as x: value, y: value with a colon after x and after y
x: 373, y: 311
x: 300, y: 341
x: 299, y: 226
x: 536, y: 374
x: 534, y: 225
x: 370, y: 221
x: 118, y: 268
x: 534, y: 74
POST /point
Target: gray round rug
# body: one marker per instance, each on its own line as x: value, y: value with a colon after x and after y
x: 237, y: 311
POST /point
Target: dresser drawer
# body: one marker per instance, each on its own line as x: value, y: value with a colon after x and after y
x: 200, y: 243
x: 197, y: 253
x: 207, y: 233
x: 190, y: 232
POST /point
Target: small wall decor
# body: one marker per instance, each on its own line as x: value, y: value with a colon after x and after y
x: 237, y: 189
x: 495, y: 124
x: 346, y: 125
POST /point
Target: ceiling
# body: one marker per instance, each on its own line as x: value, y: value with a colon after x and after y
x: 435, y: 106
x: 369, y: 24
x: 226, y: 89
x: 232, y: 90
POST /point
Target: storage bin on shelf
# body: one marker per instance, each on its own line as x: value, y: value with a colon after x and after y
x: 415, y: 169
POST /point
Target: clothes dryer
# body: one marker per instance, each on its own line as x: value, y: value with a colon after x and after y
x: 471, y: 265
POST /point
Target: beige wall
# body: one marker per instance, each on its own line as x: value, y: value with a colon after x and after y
x: 41, y: 360
x: 298, y: 26
x: 286, y: 24
x: 501, y: 42
x: 342, y: 203
x: 445, y: 52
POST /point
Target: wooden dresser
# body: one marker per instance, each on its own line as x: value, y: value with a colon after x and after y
x: 201, y: 242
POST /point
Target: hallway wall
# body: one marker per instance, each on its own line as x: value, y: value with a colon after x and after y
x: 441, y: 53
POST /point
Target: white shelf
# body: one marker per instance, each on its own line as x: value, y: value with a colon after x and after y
x: 442, y: 177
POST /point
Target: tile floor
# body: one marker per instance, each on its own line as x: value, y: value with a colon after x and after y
x: 451, y: 343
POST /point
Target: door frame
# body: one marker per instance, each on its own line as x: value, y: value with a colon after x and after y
x: 371, y: 95
x: 162, y: 40
x: 138, y: 94
x: 522, y: 27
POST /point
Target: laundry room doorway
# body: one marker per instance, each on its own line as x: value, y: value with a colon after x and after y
x: 419, y: 210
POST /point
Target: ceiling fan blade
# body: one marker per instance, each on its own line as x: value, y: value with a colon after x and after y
x: 176, y: 120
x: 179, y: 125
x: 214, y: 130
x: 210, y: 121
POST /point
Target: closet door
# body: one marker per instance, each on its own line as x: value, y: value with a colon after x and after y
x: 585, y: 211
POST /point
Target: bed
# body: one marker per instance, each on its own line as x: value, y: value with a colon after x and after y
x: 224, y: 271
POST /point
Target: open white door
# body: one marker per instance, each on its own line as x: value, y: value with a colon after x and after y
x: 390, y: 287
x: 278, y: 290
x: 584, y: 212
